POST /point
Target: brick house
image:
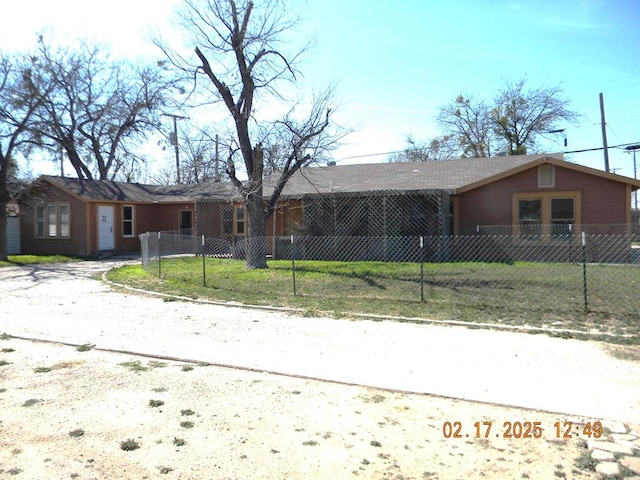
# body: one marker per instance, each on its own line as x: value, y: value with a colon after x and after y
x: 531, y: 196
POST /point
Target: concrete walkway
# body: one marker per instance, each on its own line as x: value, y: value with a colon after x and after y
x: 67, y: 303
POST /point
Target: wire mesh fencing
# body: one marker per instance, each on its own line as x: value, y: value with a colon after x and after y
x: 548, y: 275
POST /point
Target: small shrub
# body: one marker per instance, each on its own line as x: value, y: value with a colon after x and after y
x: 586, y: 462
x: 157, y: 364
x: 134, y: 366
x: 187, y: 412
x: 129, y: 445
x: 186, y: 424
x: 156, y: 403
x: 31, y: 402
x: 165, y: 470
x: 159, y: 389
x: 4, y: 362
x: 42, y: 369
x: 84, y: 348
x: 5, y: 336
x: 179, y: 442
x: 187, y: 368
x: 76, y: 433
x: 8, y: 350
x: 375, y: 443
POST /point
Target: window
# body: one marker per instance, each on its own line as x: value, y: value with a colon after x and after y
x: 530, y: 217
x: 128, y: 227
x: 39, y: 222
x: 234, y: 220
x: 238, y: 221
x: 63, y: 213
x: 546, y: 176
x: 53, y: 221
x: 227, y: 220
x: 562, y: 218
x: 553, y: 215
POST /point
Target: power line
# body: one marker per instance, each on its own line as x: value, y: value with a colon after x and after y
x: 366, y: 155
x: 602, y: 148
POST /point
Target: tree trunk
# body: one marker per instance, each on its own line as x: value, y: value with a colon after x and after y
x: 257, y: 221
x: 256, y: 233
x: 4, y: 198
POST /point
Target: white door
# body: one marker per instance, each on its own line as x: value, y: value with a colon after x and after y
x: 105, y: 228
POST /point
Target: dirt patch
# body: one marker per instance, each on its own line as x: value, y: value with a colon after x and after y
x: 92, y: 415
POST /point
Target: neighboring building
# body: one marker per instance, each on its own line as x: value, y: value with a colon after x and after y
x: 533, y: 196
x: 61, y: 215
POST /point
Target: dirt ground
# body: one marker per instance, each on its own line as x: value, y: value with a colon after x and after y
x: 66, y: 413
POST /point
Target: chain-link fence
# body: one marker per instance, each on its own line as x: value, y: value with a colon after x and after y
x: 555, y: 276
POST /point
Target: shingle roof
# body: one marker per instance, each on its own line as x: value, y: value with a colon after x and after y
x: 448, y: 175
x: 453, y: 176
x: 103, y: 190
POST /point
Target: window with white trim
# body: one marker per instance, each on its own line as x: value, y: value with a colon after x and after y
x: 128, y: 225
x: 53, y: 221
x: 239, y: 220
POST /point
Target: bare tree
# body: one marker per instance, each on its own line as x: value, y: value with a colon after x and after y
x: 241, y: 50
x: 520, y: 115
x: 468, y: 121
x: 18, y: 103
x: 100, y: 110
x: 438, y: 148
x: 512, y: 123
x: 201, y: 153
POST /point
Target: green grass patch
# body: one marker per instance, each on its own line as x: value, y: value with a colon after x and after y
x: 540, y: 295
x: 36, y: 259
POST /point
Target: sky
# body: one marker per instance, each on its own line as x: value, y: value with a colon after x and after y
x: 395, y: 63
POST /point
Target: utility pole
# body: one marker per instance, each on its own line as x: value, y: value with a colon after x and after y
x: 633, y: 148
x: 61, y: 162
x: 604, y: 134
x: 173, y: 139
x: 217, y: 161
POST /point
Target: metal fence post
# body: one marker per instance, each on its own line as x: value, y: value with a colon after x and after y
x: 422, y: 269
x: 584, y: 271
x: 293, y: 265
x: 159, y: 258
x: 204, y: 268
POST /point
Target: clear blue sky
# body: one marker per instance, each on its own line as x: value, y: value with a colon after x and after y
x: 397, y: 62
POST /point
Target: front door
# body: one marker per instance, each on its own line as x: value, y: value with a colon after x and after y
x: 105, y: 228
x: 186, y: 220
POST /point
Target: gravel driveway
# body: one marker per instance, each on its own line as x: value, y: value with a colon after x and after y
x: 66, y: 303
